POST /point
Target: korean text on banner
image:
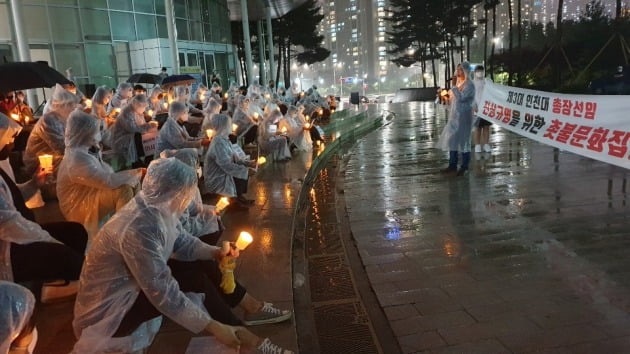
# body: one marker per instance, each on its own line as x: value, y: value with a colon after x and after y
x: 589, y: 125
x: 149, y: 141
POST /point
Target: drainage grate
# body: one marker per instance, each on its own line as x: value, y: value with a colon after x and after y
x: 330, y: 279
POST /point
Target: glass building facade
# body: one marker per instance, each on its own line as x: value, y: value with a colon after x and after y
x: 105, y: 41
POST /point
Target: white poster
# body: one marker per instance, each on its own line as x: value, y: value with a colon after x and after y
x: 590, y: 125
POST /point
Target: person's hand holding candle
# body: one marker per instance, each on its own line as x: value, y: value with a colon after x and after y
x: 46, y: 162
x: 209, y: 133
x: 222, y: 204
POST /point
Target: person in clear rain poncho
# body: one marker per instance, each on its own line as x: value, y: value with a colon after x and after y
x: 456, y: 134
x: 100, y: 100
x: 123, y: 94
x: 126, y: 285
x: 47, y: 136
x: 17, y: 304
x: 88, y: 189
x: 225, y: 173
x: 211, y: 110
x: 297, y: 129
x: 174, y: 135
x: 245, y: 122
x: 275, y: 144
x: 199, y: 220
x: 126, y: 134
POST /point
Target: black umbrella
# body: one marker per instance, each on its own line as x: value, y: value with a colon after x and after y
x: 177, y: 80
x: 29, y: 75
x: 144, y: 78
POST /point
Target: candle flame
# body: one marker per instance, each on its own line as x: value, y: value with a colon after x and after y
x: 234, y: 127
x: 15, y: 116
x: 262, y: 160
x: 209, y: 133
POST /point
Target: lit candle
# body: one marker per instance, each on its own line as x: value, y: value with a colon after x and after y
x: 307, y: 126
x: 202, y: 97
x: 332, y: 111
x: 46, y: 162
x: 209, y: 133
x: 165, y: 105
x: 26, y: 119
x: 225, y: 96
x: 321, y: 111
x: 256, y: 115
x: 301, y: 93
x: 154, y: 124
x: 244, y: 239
x: 267, y: 96
x: 150, y: 112
x: 262, y: 160
x: 15, y: 116
x: 117, y: 110
x: 307, y: 117
x: 319, y: 142
x: 283, y: 130
x: 222, y: 204
x: 234, y: 127
x: 88, y: 103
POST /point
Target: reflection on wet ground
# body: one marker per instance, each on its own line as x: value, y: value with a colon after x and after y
x: 526, y: 252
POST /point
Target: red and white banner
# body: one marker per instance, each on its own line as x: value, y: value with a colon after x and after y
x: 590, y: 125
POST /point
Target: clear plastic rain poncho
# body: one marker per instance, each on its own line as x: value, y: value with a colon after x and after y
x: 47, y: 136
x: 299, y: 136
x: 88, y: 189
x: 174, y: 135
x: 123, y: 93
x: 456, y: 133
x: 272, y: 144
x: 221, y: 165
x: 17, y: 304
x: 242, y: 116
x: 198, y: 219
x: 13, y: 226
x: 130, y: 255
x: 129, y: 122
x: 100, y: 99
x: 155, y: 100
x: 212, y: 109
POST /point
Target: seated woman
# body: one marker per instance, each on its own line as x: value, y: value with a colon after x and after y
x: 245, y: 122
x: 22, y: 109
x: 274, y: 144
x: 297, y: 130
x: 22, y: 240
x: 100, y: 100
x: 224, y: 172
x: 47, y: 136
x: 183, y: 96
x: 127, y: 133
x: 126, y: 286
x: 156, y: 102
x: 213, y: 108
x: 124, y: 93
x: 174, y: 135
x: 199, y: 220
x: 16, y: 323
x: 88, y: 189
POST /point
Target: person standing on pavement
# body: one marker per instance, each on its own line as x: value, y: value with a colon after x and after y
x: 482, y: 131
x: 456, y: 134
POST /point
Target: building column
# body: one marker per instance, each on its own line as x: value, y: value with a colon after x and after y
x: 172, y: 34
x: 249, y: 64
x: 261, y: 54
x: 272, y: 62
x: 24, y: 52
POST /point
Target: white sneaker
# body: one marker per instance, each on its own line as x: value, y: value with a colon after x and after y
x: 266, y: 347
x: 487, y: 148
x: 477, y: 148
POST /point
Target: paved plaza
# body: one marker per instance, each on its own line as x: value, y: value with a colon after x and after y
x: 527, y: 252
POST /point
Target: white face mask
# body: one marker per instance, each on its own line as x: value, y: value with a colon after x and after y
x: 479, y: 75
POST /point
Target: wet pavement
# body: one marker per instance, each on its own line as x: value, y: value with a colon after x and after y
x: 527, y: 252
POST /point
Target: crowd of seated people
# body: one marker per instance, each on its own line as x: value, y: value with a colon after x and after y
x: 138, y: 239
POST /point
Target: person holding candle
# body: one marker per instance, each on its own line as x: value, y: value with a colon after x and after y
x: 124, y: 93
x: 456, y: 134
x: 100, y: 100
x: 57, y: 247
x: 126, y: 133
x: 174, y: 135
x: 22, y: 109
x: 247, y: 127
x: 275, y: 145
x: 183, y: 96
x: 47, y: 136
x: 213, y: 108
x: 126, y: 285
x: 88, y: 189
x: 226, y: 173
x: 156, y: 100
x: 299, y: 130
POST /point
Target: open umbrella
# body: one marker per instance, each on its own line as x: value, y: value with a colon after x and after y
x: 144, y: 78
x: 29, y: 75
x: 178, y: 80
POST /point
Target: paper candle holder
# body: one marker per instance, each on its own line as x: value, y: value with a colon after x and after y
x: 46, y: 162
x: 261, y: 160
x: 244, y: 239
x: 222, y: 204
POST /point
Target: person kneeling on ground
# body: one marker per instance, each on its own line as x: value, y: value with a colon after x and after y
x: 88, y: 189
x: 225, y: 173
x: 126, y: 284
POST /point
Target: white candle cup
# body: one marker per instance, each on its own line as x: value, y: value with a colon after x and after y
x: 307, y: 126
x: 15, y: 116
x: 234, y: 127
x: 244, y: 239
x: 46, y: 163
x: 261, y: 160
x: 165, y: 105
x: 209, y: 133
x: 150, y: 112
x: 222, y: 204
x: 88, y: 103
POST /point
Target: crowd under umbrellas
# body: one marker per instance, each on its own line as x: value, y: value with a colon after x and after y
x: 136, y: 162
